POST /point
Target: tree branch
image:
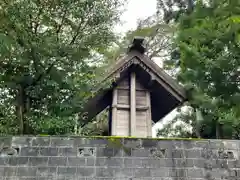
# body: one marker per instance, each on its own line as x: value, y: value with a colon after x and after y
x: 79, y: 28
x: 37, y: 23
x: 61, y: 24
x: 34, y: 83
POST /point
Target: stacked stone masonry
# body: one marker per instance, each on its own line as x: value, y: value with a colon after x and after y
x: 76, y: 158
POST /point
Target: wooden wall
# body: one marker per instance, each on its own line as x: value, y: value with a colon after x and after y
x: 131, y: 118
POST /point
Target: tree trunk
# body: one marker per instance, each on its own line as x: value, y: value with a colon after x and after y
x: 26, y: 110
x: 20, y: 109
x: 217, y: 130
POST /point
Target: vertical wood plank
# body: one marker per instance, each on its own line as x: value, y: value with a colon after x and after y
x: 114, y: 113
x: 133, y: 104
x: 149, y: 116
x: 110, y: 121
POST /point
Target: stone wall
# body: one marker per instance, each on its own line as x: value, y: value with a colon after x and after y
x: 74, y: 158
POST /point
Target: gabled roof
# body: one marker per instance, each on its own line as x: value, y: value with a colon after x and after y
x: 166, y: 93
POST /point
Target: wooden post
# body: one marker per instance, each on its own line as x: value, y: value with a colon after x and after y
x: 114, y: 112
x: 149, y: 116
x: 133, y: 104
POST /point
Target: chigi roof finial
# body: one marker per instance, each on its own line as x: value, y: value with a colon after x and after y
x: 137, y: 45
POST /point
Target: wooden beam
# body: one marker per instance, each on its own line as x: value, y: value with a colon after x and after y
x: 149, y: 116
x: 114, y: 113
x: 132, y: 104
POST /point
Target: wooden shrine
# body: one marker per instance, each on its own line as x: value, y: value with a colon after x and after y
x: 141, y: 92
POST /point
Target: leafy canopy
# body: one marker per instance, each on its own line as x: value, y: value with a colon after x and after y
x: 48, y: 63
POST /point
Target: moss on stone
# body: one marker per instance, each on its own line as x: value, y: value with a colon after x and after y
x: 127, y: 137
x: 113, y: 137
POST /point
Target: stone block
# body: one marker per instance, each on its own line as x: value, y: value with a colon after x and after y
x: 41, y: 141
x: 127, y: 162
x: 179, y: 172
x: 6, y: 141
x: 14, y: 161
x: 10, y: 171
x: 212, y: 174
x: 23, y: 141
x: 109, y: 162
x: 67, y: 171
x: 157, y: 163
x: 96, y: 142
x: 136, y: 162
x: 193, y: 153
x: 195, y: 172
x: 60, y: 142
x: 141, y: 172
x: 132, y: 143
x: 67, y: 152
x: 48, y: 151
x: 47, y: 171
x: 74, y: 178
x: 105, y: 172
x: 176, y: 153
x: 165, y: 144
x: 231, y: 144
x: 140, y: 153
x: 11, y: 178
x: 80, y: 142
x: 202, y: 144
x: 28, y: 178
x: 26, y: 171
x: 233, y: 163
x: 76, y: 161
x: 50, y: 178
x: 4, y: 160
x: 123, y: 173
x: 188, y: 144
x: 29, y: 151
x: 85, y: 172
x: 207, y: 153
x: 91, y: 161
x: 38, y: 161
x: 57, y: 161
x: 43, y: 171
x: 149, y: 143
x: 109, y: 152
x: 159, y: 172
x: 1, y: 171
x: 182, y: 163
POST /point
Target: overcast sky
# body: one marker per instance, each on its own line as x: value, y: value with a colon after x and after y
x: 140, y: 9
x: 136, y: 9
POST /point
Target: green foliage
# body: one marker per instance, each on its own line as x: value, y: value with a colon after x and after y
x: 208, y: 47
x: 173, y: 9
x: 46, y: 69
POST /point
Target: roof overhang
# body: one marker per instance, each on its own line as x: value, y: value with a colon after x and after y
x: 166, y: 94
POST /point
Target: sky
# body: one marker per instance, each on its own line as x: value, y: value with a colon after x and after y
x: 136, y: 9
x: 140, y: 9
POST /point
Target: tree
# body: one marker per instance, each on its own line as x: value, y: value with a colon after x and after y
x: 208, y: 42
x: 173, y: 9
x: 46, y: 51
